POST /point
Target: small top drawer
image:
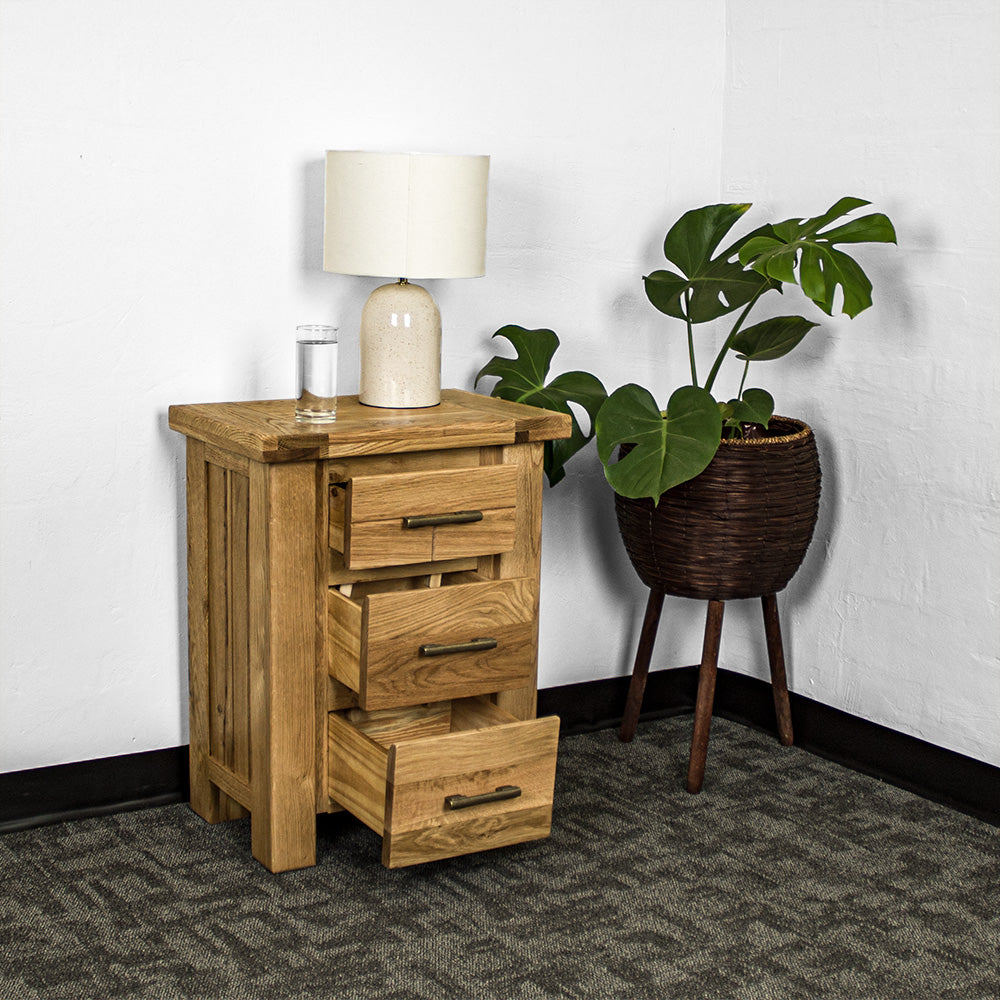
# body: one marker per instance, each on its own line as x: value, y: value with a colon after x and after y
x: 416, y: 517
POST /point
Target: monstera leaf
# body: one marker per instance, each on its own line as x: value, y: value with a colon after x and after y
x: 522, y: 380
x: 708, y: 286
x: 755, y: 406
x: 670, y: 447
x: 773, y: 338
x: 798, y: 244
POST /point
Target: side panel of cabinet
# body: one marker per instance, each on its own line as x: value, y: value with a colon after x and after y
x: 218, y: 633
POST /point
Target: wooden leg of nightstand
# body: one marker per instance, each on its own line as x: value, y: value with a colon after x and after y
x: 283, y: 503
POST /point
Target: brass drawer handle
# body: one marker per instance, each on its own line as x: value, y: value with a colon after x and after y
x: 464, y: 801
x: 472, y: 646
x: 433, y: 520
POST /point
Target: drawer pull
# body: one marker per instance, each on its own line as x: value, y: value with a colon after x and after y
x: 472, y: 646
x: 432, y: 520
x: 464, y: 801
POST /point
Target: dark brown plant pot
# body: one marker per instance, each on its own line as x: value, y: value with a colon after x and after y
x: 739, y: 529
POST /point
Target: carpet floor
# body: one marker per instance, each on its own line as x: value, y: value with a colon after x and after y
x: 788, y: 877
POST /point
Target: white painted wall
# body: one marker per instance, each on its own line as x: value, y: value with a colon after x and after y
x: 895, y: 615
x: 161, y: 185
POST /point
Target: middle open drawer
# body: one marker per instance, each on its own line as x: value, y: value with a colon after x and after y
x: 400, y: 642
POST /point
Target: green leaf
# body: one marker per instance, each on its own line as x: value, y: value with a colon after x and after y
x: 755, y: 406
x: 800, y: 244
x: 522, y: 380
x: 523, y: 376
x: 669, y: 449
x: 874, y: 228
x: 708, y: 286
x: 773, y: 338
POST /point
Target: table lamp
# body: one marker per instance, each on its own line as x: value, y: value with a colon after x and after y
x: 405, y: 215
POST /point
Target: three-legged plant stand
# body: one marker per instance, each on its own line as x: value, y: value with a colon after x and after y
x: 706, y: 678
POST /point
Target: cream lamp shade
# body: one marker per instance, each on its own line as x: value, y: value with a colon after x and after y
x: 404, y: 215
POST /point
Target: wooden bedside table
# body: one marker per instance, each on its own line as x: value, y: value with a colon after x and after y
x: 363, y: 623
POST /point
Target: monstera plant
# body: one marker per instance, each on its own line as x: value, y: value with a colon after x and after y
x: 669, y: 446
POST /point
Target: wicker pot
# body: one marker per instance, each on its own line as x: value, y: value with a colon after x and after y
x: 739, y: 529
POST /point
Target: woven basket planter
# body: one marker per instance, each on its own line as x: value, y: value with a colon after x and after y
x: 739, y: 529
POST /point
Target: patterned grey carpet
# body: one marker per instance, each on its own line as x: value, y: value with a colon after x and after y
x: 788, y: 877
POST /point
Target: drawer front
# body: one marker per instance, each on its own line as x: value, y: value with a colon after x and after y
x: 405, y: 647
x: 486, y: 783
x: 410, y: 517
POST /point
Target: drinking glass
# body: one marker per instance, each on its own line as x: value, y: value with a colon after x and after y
x: 316, y: 379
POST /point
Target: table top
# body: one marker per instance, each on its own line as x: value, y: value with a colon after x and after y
x: 267, y: 431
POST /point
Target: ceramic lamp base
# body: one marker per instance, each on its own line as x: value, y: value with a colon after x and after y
x: 400, y: 348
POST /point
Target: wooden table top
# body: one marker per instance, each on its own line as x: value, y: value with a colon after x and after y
x: 267, y: 431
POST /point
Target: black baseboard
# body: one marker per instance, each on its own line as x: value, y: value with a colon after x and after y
x: 46, y: 795
x: 158, y: 777
x: 953, y: 779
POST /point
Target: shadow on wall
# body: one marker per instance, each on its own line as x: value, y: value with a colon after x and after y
x: 176, y: 446
x: 313, y: 198
x: 810, y: 575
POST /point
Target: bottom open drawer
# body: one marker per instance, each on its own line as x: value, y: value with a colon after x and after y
x: 440, y: 780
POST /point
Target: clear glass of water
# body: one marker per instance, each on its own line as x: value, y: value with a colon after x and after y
x: 316, y: 374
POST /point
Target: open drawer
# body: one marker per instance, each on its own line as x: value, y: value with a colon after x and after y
x: 440, y: 780
x: 424, y: 516
x: 401, y: 642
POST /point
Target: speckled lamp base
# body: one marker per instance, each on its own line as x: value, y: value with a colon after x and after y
x: 400, y: 348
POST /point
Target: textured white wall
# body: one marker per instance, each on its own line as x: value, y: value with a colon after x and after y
x: 160, y: 235
x: 895, y: 616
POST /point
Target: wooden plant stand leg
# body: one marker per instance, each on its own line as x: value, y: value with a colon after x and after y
x: 776, y: 659
x: 706, y: 695
x: 641, y: 668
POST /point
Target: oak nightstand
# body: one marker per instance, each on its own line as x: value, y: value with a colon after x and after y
x: 363, y: 623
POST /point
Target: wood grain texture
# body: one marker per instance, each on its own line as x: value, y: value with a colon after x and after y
x: 371, y: 544
x: 268, y: 525
x: 234, y: 786
x: 419, y: 826
x: 439, y: 491
x: 283, y: 601
x: 339, y: 573
x: 466, y: 752
x: 338, y: 516
x: 357, y: 772
x: 218, y: 686
x: 346, y: 467
x: 530, y: 423
x: 338, y: 696
x: 398, y: 725
x: 238, y: 585
x: 320, y: 635
x: 204, y: 794
x: 398, y: 623
x: 394, y: 769
x: 516, y: 824
x: 367, y: 517
x: 524, y: 559
x: 266, y: 430
x: 496, y: 532
x: 375, y: 639
x: 345, y: 624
